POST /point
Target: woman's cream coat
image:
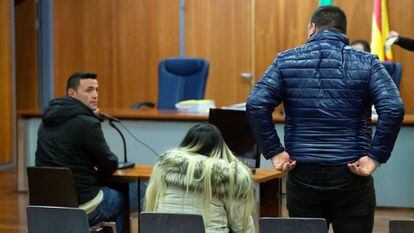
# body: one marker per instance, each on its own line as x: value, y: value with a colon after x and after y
x: 225, y: 212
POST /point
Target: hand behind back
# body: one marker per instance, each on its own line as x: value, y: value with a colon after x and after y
x: 364, y: 166
x: 282, y: 162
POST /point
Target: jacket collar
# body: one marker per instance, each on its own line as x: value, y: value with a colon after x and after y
x: 329, y: 34
x: 62, y: 109
x: 173, y: 166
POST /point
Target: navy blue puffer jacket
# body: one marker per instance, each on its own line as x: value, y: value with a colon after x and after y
x: 327, y: 89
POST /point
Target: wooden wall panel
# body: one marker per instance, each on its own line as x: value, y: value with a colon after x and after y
x: 402, y: 20
x: 123, y: 41
x: 282, y: 25
x: 6, y: 88
x: 221, y: 32
x: 27, y: 83
x: 359, y: 16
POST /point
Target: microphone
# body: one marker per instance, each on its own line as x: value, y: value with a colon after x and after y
x: 125, y: 163
x: 109, y: 117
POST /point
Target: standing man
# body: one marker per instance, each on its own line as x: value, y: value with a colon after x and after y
x: 71, y: 136
x: 327, y: 89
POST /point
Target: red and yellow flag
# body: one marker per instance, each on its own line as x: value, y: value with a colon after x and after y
x: 380, y: 31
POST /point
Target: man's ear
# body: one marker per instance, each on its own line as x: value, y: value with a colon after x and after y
x: 71, y: 92
x: 312, y: 30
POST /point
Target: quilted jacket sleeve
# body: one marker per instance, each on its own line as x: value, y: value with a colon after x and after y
x: 265, y: 96
x: 390, y: 108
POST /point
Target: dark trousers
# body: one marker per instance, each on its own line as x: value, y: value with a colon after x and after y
x: 110, y: 209
x: 345, y: 200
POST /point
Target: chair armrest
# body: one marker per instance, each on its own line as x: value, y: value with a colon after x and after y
x: 140, y: 104
x: 100, y: 226
x: 111, y: 225
x: 96, y: 228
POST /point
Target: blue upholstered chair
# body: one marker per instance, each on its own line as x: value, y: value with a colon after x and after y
x: 394, y: 70
x: 179, y: 79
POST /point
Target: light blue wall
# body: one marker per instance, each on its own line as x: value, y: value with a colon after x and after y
x: 393, y: 180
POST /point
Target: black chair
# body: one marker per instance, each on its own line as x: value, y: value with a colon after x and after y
x: 170, y: 223
x: 52, y: 219
x: 402, y: 226
x: 54, y: 186
x: 292, y: 225
x: 51, y: 186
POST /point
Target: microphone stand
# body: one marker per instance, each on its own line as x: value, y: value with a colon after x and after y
x: 125, y: 164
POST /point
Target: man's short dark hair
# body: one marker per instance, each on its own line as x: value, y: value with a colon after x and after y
x: 364, y: 43
x: 74, y: 79
x: 329, y: 17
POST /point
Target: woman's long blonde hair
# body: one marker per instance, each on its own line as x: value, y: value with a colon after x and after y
x: 205, y: 139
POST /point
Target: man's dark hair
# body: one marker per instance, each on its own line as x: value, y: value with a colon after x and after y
x: 329, y: 17
x: 74, y: 79
x: 364, y: 43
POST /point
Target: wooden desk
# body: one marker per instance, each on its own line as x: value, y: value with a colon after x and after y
x: 269, y: 181
x: 143, y: 172
x: 139, y: 172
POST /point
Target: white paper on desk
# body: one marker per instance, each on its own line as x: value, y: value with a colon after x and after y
x: 240, y: 106
x: 195, y: 106
x: 390, y: 41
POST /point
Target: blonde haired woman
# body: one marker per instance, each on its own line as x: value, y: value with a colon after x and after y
x: 202, y: 176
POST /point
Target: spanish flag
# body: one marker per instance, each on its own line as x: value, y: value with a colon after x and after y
x: 380, y: 31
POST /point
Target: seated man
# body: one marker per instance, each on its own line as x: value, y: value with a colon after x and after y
x: 202, y: 176
x: 361, y: 45
x: 71, y: 136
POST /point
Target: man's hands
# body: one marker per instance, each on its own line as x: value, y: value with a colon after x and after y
x: 97, y: 112
x: 364, y: 166
x: 282, y: 162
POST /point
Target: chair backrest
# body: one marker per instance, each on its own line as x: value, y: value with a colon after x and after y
x: 402, y: 226
x: 292, y: 225
x: 394, y: 70
x: 51, y: 186
x: 181, y: 79
x: 52, y: 219
x: 170, y: 223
